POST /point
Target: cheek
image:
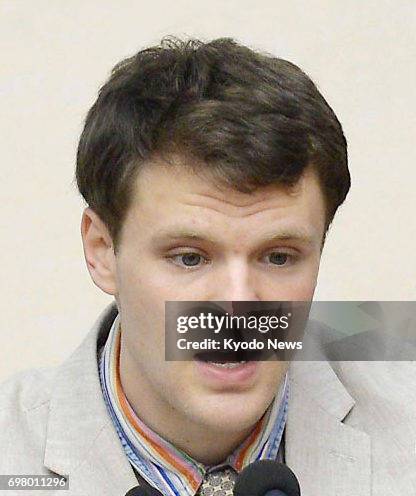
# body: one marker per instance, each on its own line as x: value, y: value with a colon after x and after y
x: 298, y: 287
x: 305, y: 288
x: 137, y: 281
x: 139, y: 302
x: 149, y: 277
x: 142, y: 296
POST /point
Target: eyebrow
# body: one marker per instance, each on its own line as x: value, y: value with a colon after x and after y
x: 292, y: 234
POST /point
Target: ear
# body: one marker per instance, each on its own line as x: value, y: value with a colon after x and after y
x: 98, y: 251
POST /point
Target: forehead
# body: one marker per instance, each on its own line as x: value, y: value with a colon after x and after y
x: 165, y: 193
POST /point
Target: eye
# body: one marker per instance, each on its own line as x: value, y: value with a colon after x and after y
x: 188, y: 260
x: 279, y: 258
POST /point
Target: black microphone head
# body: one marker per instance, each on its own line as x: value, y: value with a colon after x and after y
x: 143, y: 491
x: 264, y: 476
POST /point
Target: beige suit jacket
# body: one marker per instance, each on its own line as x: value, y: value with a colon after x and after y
x: 351, y: 428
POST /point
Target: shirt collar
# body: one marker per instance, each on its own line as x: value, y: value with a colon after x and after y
x: 158, y: 461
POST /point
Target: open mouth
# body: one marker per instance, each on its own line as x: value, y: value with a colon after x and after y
x: 227, y: 369
x: 227, y: 359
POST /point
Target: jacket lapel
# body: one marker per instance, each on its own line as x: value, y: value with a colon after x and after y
x: 81, y: 440
x: 327, y: 456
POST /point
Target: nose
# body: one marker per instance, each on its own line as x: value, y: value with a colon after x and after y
x: 237, y: 282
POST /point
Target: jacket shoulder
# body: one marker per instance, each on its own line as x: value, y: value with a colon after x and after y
x: 24, y: 410
x: 27, y: 389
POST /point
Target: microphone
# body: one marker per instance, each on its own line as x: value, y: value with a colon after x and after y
x: 143, y: 491
x: 266, y: 478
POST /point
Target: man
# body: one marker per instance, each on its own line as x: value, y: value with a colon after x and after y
x: 211, y: 173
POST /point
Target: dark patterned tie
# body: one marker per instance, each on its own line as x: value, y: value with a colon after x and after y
x: 218, y: 483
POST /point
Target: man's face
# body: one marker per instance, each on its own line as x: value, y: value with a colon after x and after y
x: 186, y: 239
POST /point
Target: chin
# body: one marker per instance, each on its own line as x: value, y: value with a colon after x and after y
x: 234, y: 413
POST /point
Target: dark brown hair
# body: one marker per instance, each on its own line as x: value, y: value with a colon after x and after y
x: 248, y: 118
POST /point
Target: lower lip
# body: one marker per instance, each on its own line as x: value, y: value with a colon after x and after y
x: 237, y: 375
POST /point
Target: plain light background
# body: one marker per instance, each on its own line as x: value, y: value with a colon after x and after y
x: 56, y: 54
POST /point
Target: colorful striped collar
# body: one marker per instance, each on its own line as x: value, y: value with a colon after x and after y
x: 162, y: 465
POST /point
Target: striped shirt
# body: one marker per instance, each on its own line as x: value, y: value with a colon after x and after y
x: 163, y: 466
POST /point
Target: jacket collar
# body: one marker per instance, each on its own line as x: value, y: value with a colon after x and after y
x: 327, y: 456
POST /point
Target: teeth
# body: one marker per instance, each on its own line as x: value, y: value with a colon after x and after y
x: 228, y: 365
